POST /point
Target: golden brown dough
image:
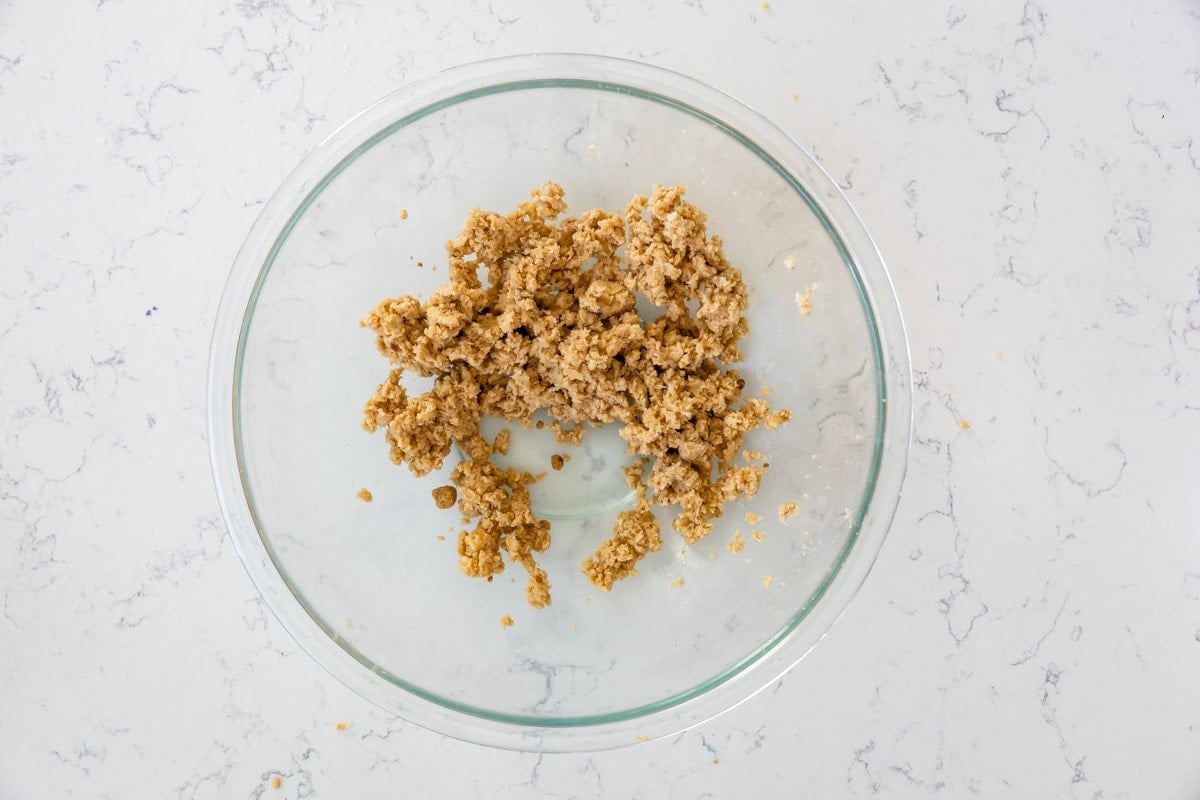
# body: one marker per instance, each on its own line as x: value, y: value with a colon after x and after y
x: 554, y: 327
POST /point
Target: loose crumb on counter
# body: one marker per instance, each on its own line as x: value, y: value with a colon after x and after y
x: 641, y: 737
x: 962, y: 423
x: 506, y: 621
x: 440, y: 538
x: 276, y: 782
x: 522, y: 327
x: 403, y: 213
x: 752, y: 518
x: 675, y: 584
x: 787, y: 510
x: 445, y: 496
x: 757, y: 536
x: 502, y: 442
x: 557, y: 461
x: 365, y: 495
x: 767, y: 581
x: 341, y: 726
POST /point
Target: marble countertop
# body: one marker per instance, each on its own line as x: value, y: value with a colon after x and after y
x: 1031, y: 172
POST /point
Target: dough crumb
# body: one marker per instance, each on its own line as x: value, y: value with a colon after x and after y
x: 276, y: 782
x: 440, y: 538
x: 635, y: 535
x: 502, y: 442
x: 445, y: 496
x: 506, y: 621
x: 962, y: 423
x: 787, y: 510
x: 556, y: 462
x: 675, y: 584
x: 404, y: 213
x: 789, y: 260
x: 641, y: 737
x: 735, y: 544
x: 341, y: 726
x: 775, y: 419
x: 752, y: 518
x: 523, y: 327
x: 767, y: 581
x: 757, y: 536
x: 804, y: 302
x: 365, y: 495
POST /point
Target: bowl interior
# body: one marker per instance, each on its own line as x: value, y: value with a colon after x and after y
x: 382, y: 578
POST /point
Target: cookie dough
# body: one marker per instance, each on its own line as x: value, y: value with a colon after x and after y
x: 539, y: 314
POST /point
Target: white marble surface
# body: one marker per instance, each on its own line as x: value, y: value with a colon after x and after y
x: 1031, y: 172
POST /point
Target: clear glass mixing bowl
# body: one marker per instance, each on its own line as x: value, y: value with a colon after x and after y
x: 372, y: 591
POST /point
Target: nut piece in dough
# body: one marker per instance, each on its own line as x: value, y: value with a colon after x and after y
x: 445, y: 496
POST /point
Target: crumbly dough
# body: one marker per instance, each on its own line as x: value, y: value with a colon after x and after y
x: 735, y: 544
x: 506, y: 621
x: 776, y: 418
x: 365, y: 495
x: 787, y: 510
x: 553, y: 327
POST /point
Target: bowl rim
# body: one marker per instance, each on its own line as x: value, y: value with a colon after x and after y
x: 756, y: 670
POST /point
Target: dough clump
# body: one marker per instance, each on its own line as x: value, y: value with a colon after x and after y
x: 540, y: 315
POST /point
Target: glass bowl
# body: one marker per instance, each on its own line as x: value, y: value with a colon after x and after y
x: 372, y: 591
